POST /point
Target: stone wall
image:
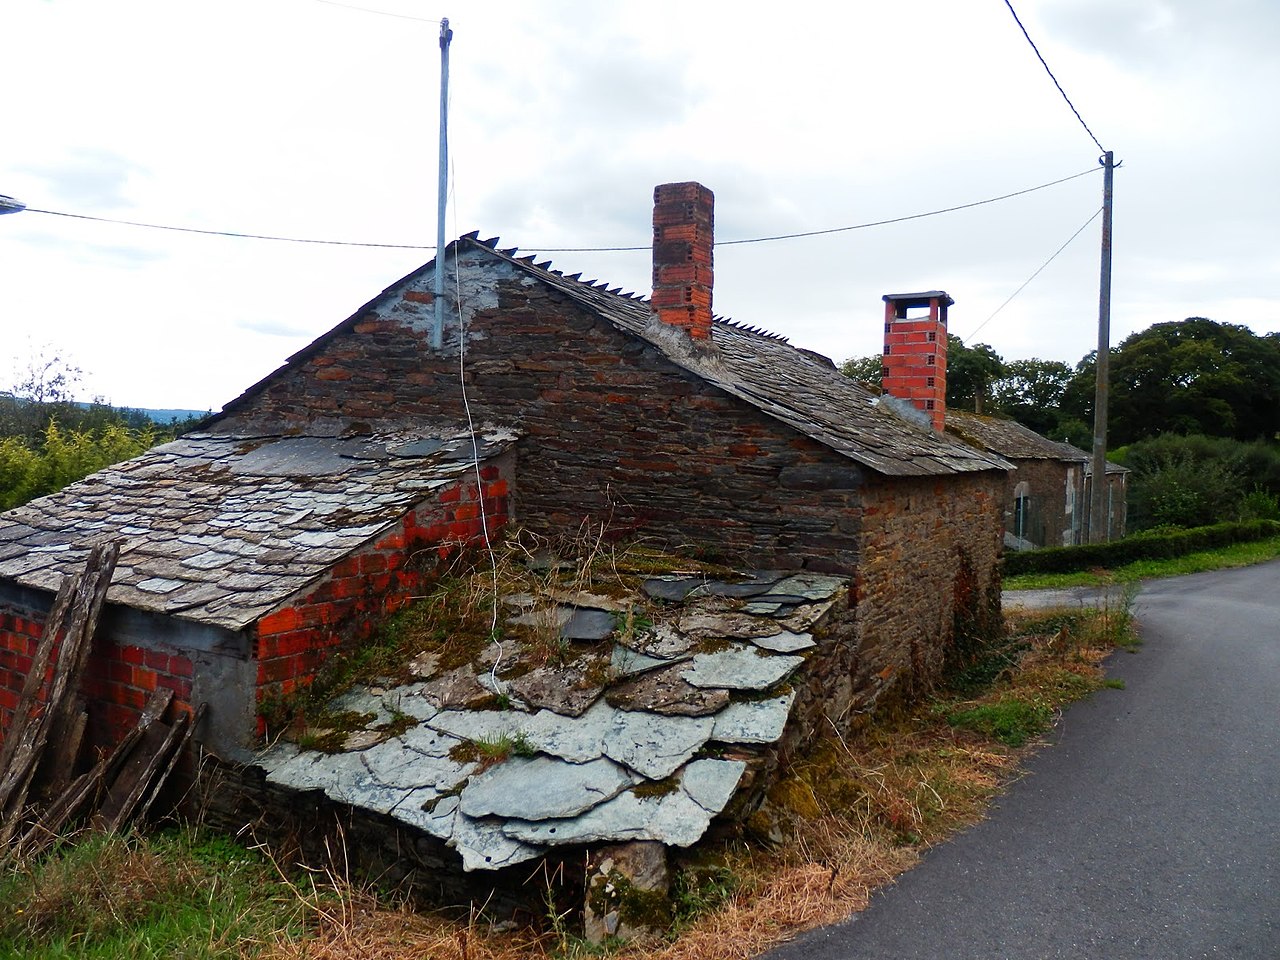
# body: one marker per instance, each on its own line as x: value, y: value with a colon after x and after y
x: 312, y: 830
x: 930, y: 577
x: 1046, y: 481
x: 613, y: 433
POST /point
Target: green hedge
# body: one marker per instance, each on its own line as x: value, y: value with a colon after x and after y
x: 1149, y: 545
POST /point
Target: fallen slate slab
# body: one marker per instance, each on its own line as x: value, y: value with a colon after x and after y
x: 738, y: 668
x: 663, y: 640
x: 653, y: 745
x: 429, y: 741
x: 457, y: 688
x: 438, y: 821
x: 676, y: 818
x: 670, y: 589
x: 569, y: 690
x: 705, y: 625
x: 759, y: 721
x: 810, y: 586
x: 721, y: 588
x: 585, y: 623
x: 785, y: 642
x: 484, y: 846
x: 626, y: 662
x: 667, y: 693
x: 542, y: 788
x: 710, y: 783
x: 395, y: 764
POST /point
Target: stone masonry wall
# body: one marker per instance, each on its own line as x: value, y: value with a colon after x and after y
x: 1047, y: 483
x: 358, y: 593
x: 612, y: 432
x: 930, y: 571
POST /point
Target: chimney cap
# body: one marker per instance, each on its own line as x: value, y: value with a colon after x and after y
x: 918, y: 299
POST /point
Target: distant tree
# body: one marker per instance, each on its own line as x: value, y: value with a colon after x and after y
x: 1193, y: 376
x: 972, y: 373
x: 1031, y: 392
x: 866, y: 370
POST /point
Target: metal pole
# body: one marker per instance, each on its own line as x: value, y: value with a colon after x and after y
x: 1099, y: 528
x: 442, y: 195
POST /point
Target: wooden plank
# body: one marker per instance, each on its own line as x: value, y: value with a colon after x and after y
x: 157, y: 743
x: 88, y: 595
x: 34, y: 680
x: 172, y: 763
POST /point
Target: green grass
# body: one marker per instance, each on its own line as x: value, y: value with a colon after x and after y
x: 1011, y: 721
x: 178, y: 894
x: 1236, y: 555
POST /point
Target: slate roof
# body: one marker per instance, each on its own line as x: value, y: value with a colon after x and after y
x: 222, y: 529
x: 653, y: 752
x: 1010, y: 439
x: 759, y: 368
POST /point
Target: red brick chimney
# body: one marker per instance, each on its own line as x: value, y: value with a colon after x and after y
x: 915, y: 351
x: 683, y: 235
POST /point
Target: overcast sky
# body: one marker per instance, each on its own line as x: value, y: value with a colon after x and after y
x: 309, y: 119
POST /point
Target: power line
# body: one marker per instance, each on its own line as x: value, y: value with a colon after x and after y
x: 381, y: 13
x: 412, y: 246
x: 230, y: 233
x: 818, y: 233
x: 1018, y: 20
x: 974, y: 333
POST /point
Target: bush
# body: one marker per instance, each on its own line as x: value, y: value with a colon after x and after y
x: 1195, y: 480
x: 28, y: 471
x: 1149, y: 545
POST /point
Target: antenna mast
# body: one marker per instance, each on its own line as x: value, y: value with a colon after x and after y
x: 442, y: 196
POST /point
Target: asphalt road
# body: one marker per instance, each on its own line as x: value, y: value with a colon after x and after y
x: 1150, y: 828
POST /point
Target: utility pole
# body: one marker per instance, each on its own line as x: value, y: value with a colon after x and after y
x: 1099, y: 520
x: 442, y: 192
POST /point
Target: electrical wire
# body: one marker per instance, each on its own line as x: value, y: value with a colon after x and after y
x: 231, y: 233
x: 381, y: 13
x: 1044, y: 64
x: 830, y: 230
x: 540, y: 249
x: 974, y: 333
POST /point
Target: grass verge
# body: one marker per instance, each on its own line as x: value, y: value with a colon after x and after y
x: 1236, y: 555
x: 178, y: 894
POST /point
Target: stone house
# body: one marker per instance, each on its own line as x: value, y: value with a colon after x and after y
x: 291, y: 522
x: 1045, y: 503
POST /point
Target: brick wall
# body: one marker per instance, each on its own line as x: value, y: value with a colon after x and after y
x: 118, y: 680
x: 611, y: 430
x: 20, y: 632
x: 356, y: 594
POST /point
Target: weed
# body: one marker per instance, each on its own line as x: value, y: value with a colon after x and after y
x: 1113, y: 683
x: 1012, y: 722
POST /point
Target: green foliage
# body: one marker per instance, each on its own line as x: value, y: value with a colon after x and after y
x: 972, y: 373
x: 1198, y: 480
x: 1151, y: 545
x: 32, y: 470
x: 866, y: 370
x: 1192, y: 376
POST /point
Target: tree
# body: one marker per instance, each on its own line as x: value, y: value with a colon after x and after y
x: 865, y: 370
x: 1031, y: 392
x: 1192, y: 376
x: 972, y: 372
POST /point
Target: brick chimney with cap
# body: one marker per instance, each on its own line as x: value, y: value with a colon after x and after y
x: 915, y: 351
x: 683, y: 236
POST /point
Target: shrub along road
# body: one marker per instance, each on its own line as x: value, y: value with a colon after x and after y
x: 1150, y: 828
